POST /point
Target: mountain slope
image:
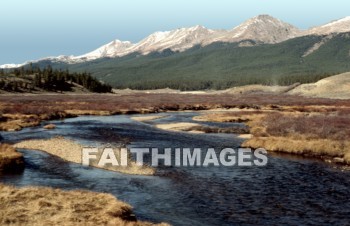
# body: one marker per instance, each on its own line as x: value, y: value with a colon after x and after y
x: 223, y: 65
x: 263, y: 28
x: 261, y: 50
x: 337, y: 26
x: 260, y: 29
x: 108, y: 50
x: 339, y: 85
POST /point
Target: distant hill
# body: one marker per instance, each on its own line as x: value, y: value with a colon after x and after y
x: 32, y: 79
x: 336, y: 87
x: 25, y: 84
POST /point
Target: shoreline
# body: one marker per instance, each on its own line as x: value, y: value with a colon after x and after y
x: 58, y: 146
x: 49, y: 206
x: 287, y: 116
x: 10, y: 159
x: 325, y: 149
x: 281, y: 145
x: 250, y: 140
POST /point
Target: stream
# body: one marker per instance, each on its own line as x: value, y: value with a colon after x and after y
x: 287, y: 191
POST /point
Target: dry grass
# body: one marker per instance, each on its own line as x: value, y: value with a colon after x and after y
x: 181, y: 126
x: 337, y: 87
x: 46, y: 206
x: 255, y: 106
x: 49, y: 106
x: 317, y: 134
x: 72, y: 152
x: 309, y: 126
x: 40, y: 104
x: 257, y: 89
x: 17, y: 121
x: 234, y: 116
x: 320, y: 134
x: 319, y: 131
x: 88, y: 112
x: 50, y: 126
x: 197, y: 128
x: 322, y: 148
x: 10, y: 159
x: 148, y: 118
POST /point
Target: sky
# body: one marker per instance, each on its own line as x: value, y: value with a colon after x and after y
x: 33, y: 29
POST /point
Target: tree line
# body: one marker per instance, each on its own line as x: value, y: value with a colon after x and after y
x: 50, y: 79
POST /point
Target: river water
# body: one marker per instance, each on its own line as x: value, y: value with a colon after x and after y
x: 289, y: 190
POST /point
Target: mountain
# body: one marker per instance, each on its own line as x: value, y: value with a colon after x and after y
x: 222, y: 65
x: 258, y: 30
x: 337, y: 26
x: 263, y: 29
x: 176, y: 40
x: 262, y: 50
x: 109, y: 50
x: 8, y: 66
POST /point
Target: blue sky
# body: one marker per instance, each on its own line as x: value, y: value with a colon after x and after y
x: 32, y: 29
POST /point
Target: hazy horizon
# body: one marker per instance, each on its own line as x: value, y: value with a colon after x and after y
x: 36, y: 29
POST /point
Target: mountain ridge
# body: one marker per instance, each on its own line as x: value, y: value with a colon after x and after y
x: 262, y: 29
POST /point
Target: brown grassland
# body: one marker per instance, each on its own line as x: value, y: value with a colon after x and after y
x: 287, y: 123
x: 315, y: 131
x: 10, y: 159
x: 282, y: 123
x: 47, y: 206
x: 19, y: 111
x: 71, y: 151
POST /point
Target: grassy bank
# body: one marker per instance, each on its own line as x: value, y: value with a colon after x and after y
x: 72, y: 152
x: 305, y: 122
x: 47, y: 206
x: 320, y: 134
x: 19, y: 119
x: 316, y: 131
x: 197, y: 128
x: 10, y: 159
x: 19, y: 111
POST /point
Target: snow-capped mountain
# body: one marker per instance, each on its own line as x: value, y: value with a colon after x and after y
x: 108, y: 50
x: 337, y: 26
x: 8, y: 66
x: 176, y: 40
x: 261, y: 29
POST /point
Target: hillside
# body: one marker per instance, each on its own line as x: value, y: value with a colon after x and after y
x: 32, y: 79
x: 335, y: 87
x: 224, y: 65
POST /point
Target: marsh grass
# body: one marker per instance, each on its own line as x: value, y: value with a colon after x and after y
x: 47, y: 107
x: 47, y: 206
x: 71, y: 151
x: 318, y: 131
x: 10, y: 159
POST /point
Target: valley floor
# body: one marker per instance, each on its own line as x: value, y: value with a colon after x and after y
x: 286, y: 123
x: 315, y: 127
